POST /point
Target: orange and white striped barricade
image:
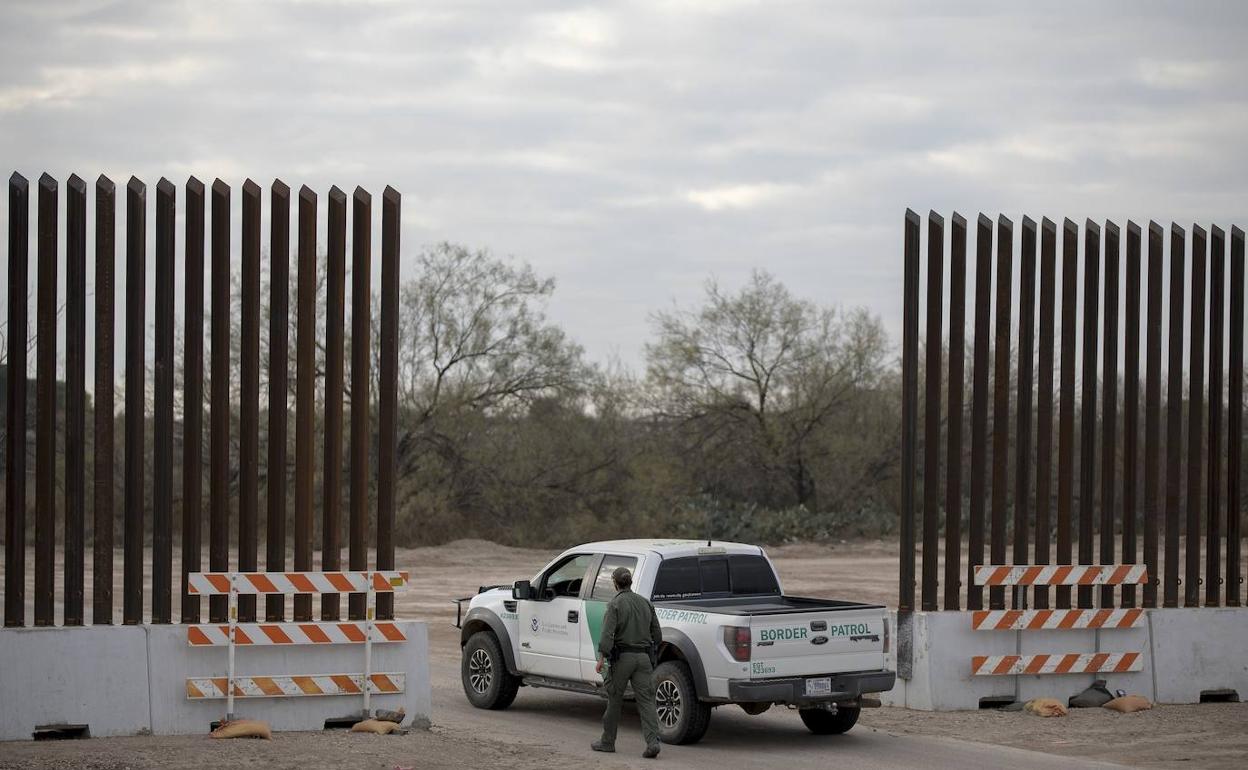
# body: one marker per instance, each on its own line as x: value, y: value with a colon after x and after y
x: 1022, y: 575
x: 234, y: 634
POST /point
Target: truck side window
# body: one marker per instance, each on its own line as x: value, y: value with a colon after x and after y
x: 678, y: 578
x: 565, y: 580
x: 604, y: 588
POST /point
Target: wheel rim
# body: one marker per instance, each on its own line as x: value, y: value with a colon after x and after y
x: 480, y: 671
x: 667, y: 703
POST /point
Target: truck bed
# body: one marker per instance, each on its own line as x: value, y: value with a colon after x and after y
x: 765, y: 605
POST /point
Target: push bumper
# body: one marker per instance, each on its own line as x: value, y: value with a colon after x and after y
x: 792, y: 690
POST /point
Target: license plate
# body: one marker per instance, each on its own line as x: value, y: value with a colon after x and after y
x: 820, y: 686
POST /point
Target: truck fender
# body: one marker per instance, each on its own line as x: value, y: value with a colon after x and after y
x: 481, y: 619
x: 689, y: 653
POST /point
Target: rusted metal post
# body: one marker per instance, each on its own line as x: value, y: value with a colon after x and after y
x: 136, y: 399
x: 1026, y: 357
x: 979, y: 407
x: 931, y: 408
x: 335, y: 286
x: 957, y: 380
x: 1174, y: 418
x: 1044, y: 404
x: 1066, y: 416
x: 162, y: 423
x: 1152, y: 412
x: 1235, y: 420
x: 1087, y: 415
x: 249, y: 395
x: 1109, y: 405
x: 103, y: 465
x: 193, y: 396
x: 361, y: 350
x: 305, y: 394
x: 1131, y: 407
x: 1001, y: 402
x: 219, y: 404
x: 15, y: 406
x: 1213, y: 516
x: 45, y: 404
x: 1195, y: 418
x: 388, y: 406
x: 279, y: 333
x: 909, y: 408
x: 75, y: 394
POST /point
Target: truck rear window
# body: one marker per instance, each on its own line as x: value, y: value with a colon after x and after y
x: 695, y: 577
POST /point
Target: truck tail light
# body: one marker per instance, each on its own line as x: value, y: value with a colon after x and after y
x: 737, y: 640
x: 886, y: 634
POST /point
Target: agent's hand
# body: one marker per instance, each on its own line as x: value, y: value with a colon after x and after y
x: 598, y: 668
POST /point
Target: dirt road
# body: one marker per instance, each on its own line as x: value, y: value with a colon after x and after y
x: 546, y: 729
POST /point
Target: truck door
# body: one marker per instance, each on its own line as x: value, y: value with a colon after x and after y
x: 600, y: 593
x: 550, y: 626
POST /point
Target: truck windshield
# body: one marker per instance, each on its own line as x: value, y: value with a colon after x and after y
x: 696, y: 577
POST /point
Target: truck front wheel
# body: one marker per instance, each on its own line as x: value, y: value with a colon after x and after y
x: 824, y: 722
x: 683, y: 718
x: 483, y: 670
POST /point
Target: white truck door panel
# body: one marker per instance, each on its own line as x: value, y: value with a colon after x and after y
x: 550, y: 637
x: 551, y: 627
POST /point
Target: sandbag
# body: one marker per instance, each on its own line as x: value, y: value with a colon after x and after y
x: 387, y: 715
x: 243, y: 728
x: 1045, y: 707
x: 376, y: 726
x: 1128, y: 704
x: 1095, y: 695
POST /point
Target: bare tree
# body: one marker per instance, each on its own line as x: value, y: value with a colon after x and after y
x: 754, y: 376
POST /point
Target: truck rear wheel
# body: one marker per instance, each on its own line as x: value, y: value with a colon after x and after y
x: 824, y: 722
x: 683, y: 718
x: 483, y: 671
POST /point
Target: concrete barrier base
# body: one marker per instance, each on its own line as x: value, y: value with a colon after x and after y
x: 1187, y: 653
x: 130, y: 680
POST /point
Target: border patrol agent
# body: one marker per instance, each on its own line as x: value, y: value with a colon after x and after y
x: 630, y: 636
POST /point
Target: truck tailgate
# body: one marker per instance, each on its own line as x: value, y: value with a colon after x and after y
x: 817, y: 642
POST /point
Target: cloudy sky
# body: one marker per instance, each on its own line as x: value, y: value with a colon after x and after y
x: 631, y: 150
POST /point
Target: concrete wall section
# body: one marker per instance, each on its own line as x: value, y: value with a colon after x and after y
x: 1184, y: 652
x: 95, y: 676
x: 125, y: 680
x: 1199, y: 649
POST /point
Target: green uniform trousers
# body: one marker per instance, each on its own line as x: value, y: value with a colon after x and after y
x: 631, y: 667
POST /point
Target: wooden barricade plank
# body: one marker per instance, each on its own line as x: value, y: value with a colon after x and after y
x: 1061, y: 663
x: 252, y: 583
x: 1050, y: 620
x: 265, y: 634
x: 203, y: 688
x: 1060, y: 574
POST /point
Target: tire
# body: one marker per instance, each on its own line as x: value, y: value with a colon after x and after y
x: 483, y: 672
x: 824, y: 722
x: 683, y: 718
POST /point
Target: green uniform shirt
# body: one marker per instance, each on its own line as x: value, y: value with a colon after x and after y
x: 630, y: 620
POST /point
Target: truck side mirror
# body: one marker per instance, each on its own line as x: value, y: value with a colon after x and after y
x: 522, y: 590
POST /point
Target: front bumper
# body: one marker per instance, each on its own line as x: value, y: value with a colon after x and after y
x: 792, y: 690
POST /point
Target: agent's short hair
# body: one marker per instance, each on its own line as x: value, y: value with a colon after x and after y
x: 622, y: 577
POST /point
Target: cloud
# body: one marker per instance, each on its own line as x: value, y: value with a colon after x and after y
x: 632, y: 149
x: 735, y: 196
x: 66, y: 86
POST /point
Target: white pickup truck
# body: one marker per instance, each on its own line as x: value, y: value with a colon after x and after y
x: 730, y: 635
